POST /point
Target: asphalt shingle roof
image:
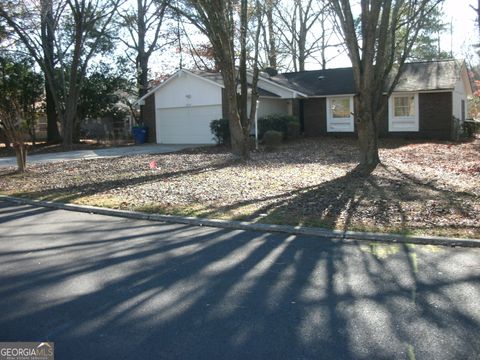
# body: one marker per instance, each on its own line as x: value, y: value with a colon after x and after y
x: 433, y: 75
x: 420, y: 76
x: 319, y: 82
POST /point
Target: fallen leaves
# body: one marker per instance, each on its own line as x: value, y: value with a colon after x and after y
x: 430, y: 187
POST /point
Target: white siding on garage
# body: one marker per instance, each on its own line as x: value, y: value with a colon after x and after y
x: 188, y: 90
x: 184, y: 109
x: 186, y: 125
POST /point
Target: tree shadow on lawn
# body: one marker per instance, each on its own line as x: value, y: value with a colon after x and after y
x: 387, y: 200
x: 216, y: 293
x: 74, y: 192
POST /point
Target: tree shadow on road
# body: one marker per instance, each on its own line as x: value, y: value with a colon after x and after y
x: 173, y: 291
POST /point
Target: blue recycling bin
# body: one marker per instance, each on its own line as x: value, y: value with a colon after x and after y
x: 140, y: 134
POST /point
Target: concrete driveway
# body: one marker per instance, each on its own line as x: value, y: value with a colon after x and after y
x: 102, y: 287
x: 95, y: 154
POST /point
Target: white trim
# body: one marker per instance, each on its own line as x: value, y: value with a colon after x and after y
x: 179, y: 72
x: 339, y: 124
x: 403, y: 123
x: 202, y: 78
x: 273, y: 98
x: 157, y: 87
x: 329, y: 96
x: 174, y: 76
x: 423, y: 91
x: 432, y: 91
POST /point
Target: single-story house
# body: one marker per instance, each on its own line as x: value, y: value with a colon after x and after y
x: 179, y: 110
x: 430, y: 101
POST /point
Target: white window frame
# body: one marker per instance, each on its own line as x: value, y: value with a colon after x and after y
x: 338, y: 124
x: 403, y: 123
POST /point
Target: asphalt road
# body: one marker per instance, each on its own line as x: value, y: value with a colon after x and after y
x: 109, y: 288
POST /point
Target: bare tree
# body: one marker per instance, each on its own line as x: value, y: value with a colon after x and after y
x: 83, y: 34
x: 378, y: 50
x: 144, y: 26
x: 217, y: 20
x: 10, y: 124
x: 294, y: 22
x: 47, y: 39
x: 477, y: 11
x: 270, y: 38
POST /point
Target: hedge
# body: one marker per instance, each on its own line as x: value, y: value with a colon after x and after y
x: 288, y: 125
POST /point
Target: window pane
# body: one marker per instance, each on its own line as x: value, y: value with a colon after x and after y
x: 404, y: 106
x: 341, y: 108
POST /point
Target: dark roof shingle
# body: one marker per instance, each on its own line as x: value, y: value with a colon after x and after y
x: 431, y: 75
x: 420, y: 76
x: 319, y: 82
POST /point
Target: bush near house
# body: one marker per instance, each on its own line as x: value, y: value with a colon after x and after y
x: 272, y: 139
x: 221, y: 131
x: 471, y: 127
x: 288, y: 125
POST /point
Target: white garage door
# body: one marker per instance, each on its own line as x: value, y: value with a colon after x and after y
x: 187, y: 125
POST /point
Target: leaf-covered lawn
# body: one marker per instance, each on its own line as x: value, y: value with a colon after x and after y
x: 428, y: 188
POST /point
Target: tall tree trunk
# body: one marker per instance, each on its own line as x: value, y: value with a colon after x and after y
x: 142, y: 57
x: 76, y: 74
x: 53, y: 134
x: 243, y: 100
x: 272, y: 53
x: 302, y: 38
x: 142, y: 82
x: 21, y: 155
x: 69, y: 118
x: 323, y: 47
x: 48, y: 39
x: 238, y: 141
x: 367, y: 127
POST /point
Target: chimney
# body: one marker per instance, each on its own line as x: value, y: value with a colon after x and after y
x: 270, y: 71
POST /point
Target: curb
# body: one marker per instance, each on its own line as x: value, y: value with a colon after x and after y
x: 242, y: 225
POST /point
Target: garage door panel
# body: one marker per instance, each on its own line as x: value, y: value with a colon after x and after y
x: 187, y: 125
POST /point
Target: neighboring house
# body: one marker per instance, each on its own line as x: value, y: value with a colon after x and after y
x: 428, y: 102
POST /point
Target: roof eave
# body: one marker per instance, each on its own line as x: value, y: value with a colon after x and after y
x: 173, y: 76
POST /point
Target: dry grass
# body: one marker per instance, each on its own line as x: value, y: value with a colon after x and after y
x: 428, y: 188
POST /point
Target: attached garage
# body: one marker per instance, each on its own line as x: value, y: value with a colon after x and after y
x: 186, y: 125
x: 180, y: 110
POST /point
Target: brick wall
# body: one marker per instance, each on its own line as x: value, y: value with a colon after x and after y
x: 435, y: 115
x: 149, y: 118
x: 314, y: 116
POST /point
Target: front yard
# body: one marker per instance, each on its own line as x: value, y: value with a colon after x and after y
x: 428, y: 188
